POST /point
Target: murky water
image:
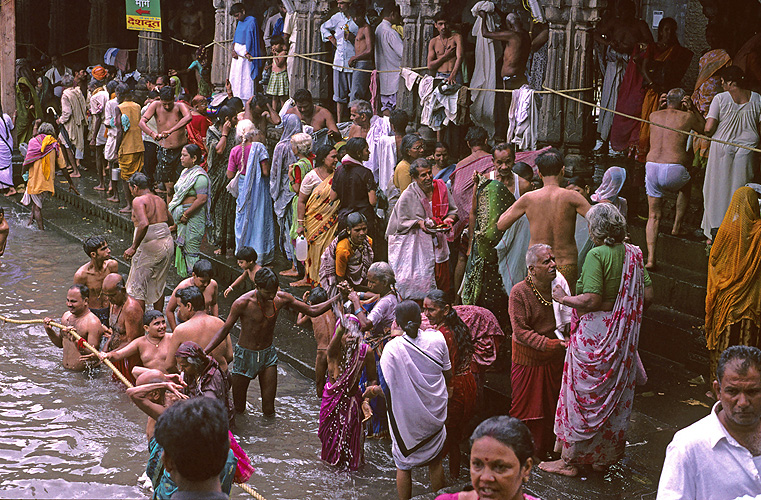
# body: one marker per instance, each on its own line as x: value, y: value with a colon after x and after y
x: 68, y: 435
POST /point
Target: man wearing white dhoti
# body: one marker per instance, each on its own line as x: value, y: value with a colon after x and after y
x: 244, y: 69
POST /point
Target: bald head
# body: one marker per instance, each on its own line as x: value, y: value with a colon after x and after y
x: 115, y: 289
x: 150, y: 377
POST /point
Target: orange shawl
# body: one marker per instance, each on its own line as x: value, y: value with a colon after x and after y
x: 734, y: 268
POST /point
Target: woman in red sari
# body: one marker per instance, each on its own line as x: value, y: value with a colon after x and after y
x: 462, y: 401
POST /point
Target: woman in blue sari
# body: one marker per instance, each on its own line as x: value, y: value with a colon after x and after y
x: 254, y: 224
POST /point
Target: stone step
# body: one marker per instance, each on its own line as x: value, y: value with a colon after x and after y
x: 675, y: 251
x: 675, y: 336
x: 680, y: 289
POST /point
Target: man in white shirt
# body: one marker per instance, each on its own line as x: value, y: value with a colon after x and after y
x: 719, y: 456
x: 340, y: 30
x: 388, y: 56
x: 56, y: 73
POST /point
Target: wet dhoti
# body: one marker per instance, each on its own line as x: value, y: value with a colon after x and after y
x: 150, y: 265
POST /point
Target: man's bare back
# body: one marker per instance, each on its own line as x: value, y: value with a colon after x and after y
x: 152, y: 206
x: 551, y: 213
x: 93, y: 278
x: 201, y: 329
x: 667, y: 146
x: 168, y: 119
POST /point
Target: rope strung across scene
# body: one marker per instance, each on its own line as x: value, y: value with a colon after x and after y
x: 652, y: 124
x: 248, y: 489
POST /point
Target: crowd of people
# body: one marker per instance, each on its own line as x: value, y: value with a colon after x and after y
x: 423, y: 269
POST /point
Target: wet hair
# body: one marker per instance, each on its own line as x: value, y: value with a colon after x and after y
x: 150, y: 315
x: 317, y: 295
x: 408, y: 141
x: 606, y: 224
x: 237, y: 8
x: 363, y: 107
x: 733, y: 74
x: 383, y: 271
x: 476, y: 136
x: 199, y: 99
x: 46, y: 128
x: 302, y: 95
x: 277, y: 40
x: 416, y: 165
x: 84, y: 291
x: 139, y: 180
x: 524, y: 170
x: 166, y: 93
x: 355, y: 146
x: 203, y: 269
x: 509, y: 431
x: 748, y: 355
x: 92, y: 244
x: 408, y: 317
x: 194, y: 151
x: 247, y: 253
x: 453, y: 321
x: 550, y: 163
x: 193, y: 296
x: 674, y: 97
x: 532, y: 255
x: 399, y: 119
x: 321, y: 153
x: 302, y: 142
x: 223, y: 113
x: 265, y: 279
x: 504, y: 146
x: 194, y: 436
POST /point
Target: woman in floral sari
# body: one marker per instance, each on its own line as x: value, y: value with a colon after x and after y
x: 317, y: 219
x: 601, y: 362
x: 189, y: 209
x: 221, y: 139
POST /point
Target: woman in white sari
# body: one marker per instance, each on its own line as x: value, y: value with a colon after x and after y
x: 601, y: 364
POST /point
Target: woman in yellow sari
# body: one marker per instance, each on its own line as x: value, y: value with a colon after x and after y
x: 317, y: 219
x: 733, y: 298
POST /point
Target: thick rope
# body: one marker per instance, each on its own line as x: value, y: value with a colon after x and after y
x: 248, y: 489
x: 637, y: 118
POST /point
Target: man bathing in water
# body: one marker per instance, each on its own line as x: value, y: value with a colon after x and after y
x: 551, y: 213
x: 198, y: 327
x: 202, y: 280
x: 87, y: 325
x: 125, y: 320
x: 92, y: 274
x: 151, y: 348
x: 254, y: 354
x: 171, y: 118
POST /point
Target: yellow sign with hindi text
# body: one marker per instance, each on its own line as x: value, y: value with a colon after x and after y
x: 144, y: 15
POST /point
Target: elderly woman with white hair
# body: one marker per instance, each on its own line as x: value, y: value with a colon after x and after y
x: 377, y: 323
x: 221, y: 139
x: 301, y: 145
x: 601, y: 364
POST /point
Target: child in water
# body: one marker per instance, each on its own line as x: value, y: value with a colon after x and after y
x: 246, y: 257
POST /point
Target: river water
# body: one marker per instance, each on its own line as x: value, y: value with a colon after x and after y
x: 67, y: 435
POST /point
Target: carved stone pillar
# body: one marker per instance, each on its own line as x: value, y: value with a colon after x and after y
x: 8, y: 56
x: 224, y: 30
x: 98, y: 30
x: 419, y: 28
x: 150, y: 53
x: 310, y: 14
x: 59, y: 39
x: 569, y: 66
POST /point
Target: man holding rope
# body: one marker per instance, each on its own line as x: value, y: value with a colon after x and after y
x: 666, y: 160
x: 79, y: 318
x: 125, y: 320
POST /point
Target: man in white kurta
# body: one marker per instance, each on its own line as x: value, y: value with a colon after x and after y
x: 388, y: 56
x: 340, y: 30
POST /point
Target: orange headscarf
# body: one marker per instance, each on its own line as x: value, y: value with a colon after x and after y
x: 734, y: 267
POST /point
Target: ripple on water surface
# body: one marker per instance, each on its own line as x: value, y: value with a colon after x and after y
x: 76, y: 435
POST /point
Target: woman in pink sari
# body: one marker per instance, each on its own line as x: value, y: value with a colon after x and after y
x: 343, y: 409
x: 601, y: 362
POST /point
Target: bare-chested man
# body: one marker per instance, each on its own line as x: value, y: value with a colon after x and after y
x: 517, y: 43
x: 91, y: 274
x: 666, y: 163
x: 171, y: 118
x: 151, y: 348
x: 125, y: 321
x: 202, y: 280
x: 445, y: 51
x: 255, y: 354
x: 551, y: 213
x: 152, y: 250
x: 87, y: 325
x: 361, y: 112
x: 259, y: 110
x: 197, y: 326
x: 315, y: 116
x: 364, y: 53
